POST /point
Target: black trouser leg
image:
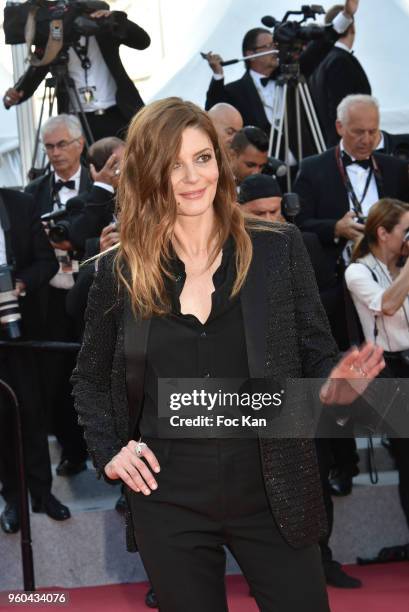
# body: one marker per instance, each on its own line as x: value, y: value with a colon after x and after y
x: 325, y: 460
x: 18, y: 368
x: 345, y: 454
x: 266, y: 559
x: 400, y: 451
x: 57, y: 368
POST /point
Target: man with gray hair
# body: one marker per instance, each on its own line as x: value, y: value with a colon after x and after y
x: 338, y: 187
x: 63, y: 143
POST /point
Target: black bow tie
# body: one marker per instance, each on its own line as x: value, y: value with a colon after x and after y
x: 60, y: 184
x: 364, y: 163
x: 264, y: 81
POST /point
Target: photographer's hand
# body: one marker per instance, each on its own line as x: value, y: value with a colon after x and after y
x: 350, y: 8
x: 64, y: 245
x: 20, y: 289
x: 12, y: 96
x: 109, y: 237
x: 215, y: 62
x: 348, y: 228
x: 99, y: 14
x: 109, y: 174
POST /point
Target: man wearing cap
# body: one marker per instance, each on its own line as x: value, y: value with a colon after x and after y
x: 261, y: 195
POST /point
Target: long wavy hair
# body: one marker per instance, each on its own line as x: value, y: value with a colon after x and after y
x: 147, y: 209
x: 386, y: 213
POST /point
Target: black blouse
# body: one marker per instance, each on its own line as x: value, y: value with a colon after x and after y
x: 180, y: 346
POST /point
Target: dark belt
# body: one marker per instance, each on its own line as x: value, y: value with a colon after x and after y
x: 100, y: 111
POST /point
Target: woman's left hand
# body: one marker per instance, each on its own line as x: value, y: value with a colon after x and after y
x: 352, y: 375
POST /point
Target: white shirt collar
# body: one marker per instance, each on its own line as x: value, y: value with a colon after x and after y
x: 75, y: 177
x: 256, y: 76
x: 343, y: 46
x: 342, y: 148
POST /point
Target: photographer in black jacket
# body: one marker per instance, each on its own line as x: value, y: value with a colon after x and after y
x: 253, y: 94
x: 108, y: 95
x: 24, y: 245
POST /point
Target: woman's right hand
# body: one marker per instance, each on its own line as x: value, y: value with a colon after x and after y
x: 132, y: 469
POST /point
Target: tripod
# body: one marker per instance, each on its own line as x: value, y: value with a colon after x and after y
x: 291, y: 78
x: 59, y: 81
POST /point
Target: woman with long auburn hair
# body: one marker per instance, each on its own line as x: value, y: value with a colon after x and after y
x: 195, y: 291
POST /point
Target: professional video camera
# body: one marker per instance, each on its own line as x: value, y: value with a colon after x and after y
x: 58, y: 226
x: 63, y: 20
x: 291, y: 36
x: 10, y: 316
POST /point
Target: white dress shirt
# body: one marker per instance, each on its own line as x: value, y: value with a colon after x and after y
x: 343, y: 46
x: 65, y: 194
x: 393, y: 331
x: 64, y: 278
x: 3, y: 254
x: 100, y: 80
x: 358, y: 177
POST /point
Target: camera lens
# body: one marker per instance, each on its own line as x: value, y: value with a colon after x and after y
x: 10, y: 316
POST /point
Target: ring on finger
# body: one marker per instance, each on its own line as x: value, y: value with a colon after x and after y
x: 139, y: 448
x: 358, y: 370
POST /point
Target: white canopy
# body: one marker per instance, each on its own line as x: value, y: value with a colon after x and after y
x: 382, y: 46
x: 9, y: 145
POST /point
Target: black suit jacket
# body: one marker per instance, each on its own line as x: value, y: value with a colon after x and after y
x: 243, y: 95
x: 28, y: 248
x: 396, y: 145
x: 339, y: 75
x: 324, y: 199
x: 41, y: 189
x: 128, y: 98
x: 89, y: 213
x: 287, y: 336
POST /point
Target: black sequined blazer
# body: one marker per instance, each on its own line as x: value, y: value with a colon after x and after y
x: 287, y: 336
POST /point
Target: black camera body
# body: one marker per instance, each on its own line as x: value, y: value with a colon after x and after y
x: 74, y: 14
x: 10, y: 317
x: 58, y: 225
x: 291, y: 36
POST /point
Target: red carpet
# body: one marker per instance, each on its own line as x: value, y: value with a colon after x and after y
x: 386, y: 589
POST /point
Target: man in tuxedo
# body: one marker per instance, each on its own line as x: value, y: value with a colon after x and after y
x: 339, y: 75
x: 337, y: 189
x: 63, y: 142
x: 24, y: 246
x: 253, y: 94
x: 108, y: 96
x: 227, y: 121
x: 248, y: 152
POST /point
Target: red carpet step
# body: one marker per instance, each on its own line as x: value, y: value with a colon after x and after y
x: 386, y: 589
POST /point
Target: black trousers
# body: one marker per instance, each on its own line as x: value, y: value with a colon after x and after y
x: 56, y: 370
x: 400, y: 446
x: 211, y: 494
x: 19, y: 369
x: 111, y: 123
